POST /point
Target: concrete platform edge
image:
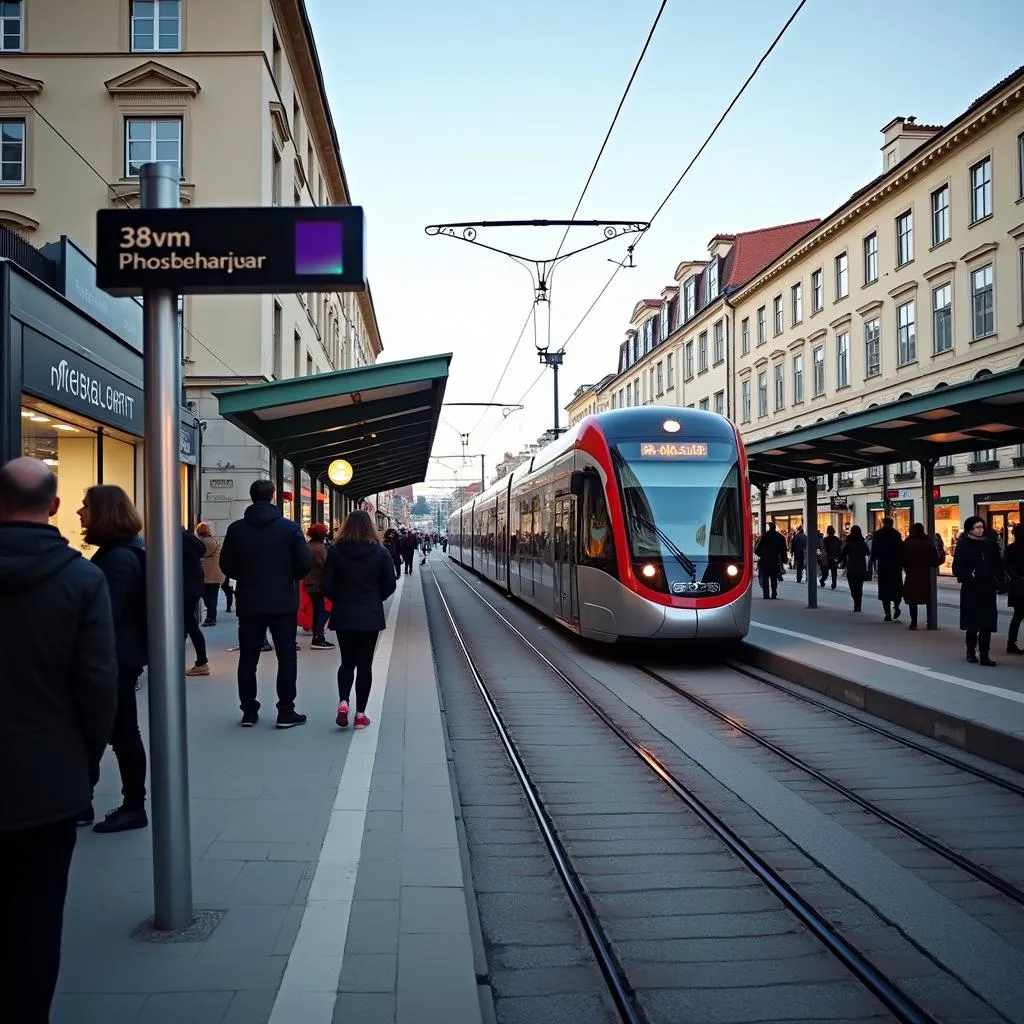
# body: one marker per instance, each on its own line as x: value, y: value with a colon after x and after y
x: 1000, y: 747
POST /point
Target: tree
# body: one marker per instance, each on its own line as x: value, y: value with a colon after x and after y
x: 422, y: 507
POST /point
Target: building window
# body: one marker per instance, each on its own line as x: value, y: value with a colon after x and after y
x: 719, y: 342
x: 940, y: 215
x: 275, y: 179
x: 777, y: 313
x: 1020, y: 165
x: 670, y: 369
x: 10, y: 25
x: 906, y: 334
x: 981, y: 190
x: 745, y: 335
x: 842, y: 276
x: 745, y: 400
x: 873, y: 347
x: 942, y: 318
x: 278, y: 357
x: 663, y: 322
x: 12, y: 153
x: 843, y: 359
x: 818, y: 367
x: 156, y: 25
x: 720, y: 403
x: 904, y: 238
x: 797, y: 301
x: 711, y: 282
x: 984, y: 455
x: 703, y: 404
x: 817, y: 292
x: 689, y: 359
x: 148, y: 141
x: 982, y: 303
x: 690, y: 298
x: 1021, y: 255
x: 798, y: 378
x: 762, y: 334
x: 780, y: 386
x: 661, y: 378
x: 702, y: 351
x: 871, y: 258
x: 762, y: 393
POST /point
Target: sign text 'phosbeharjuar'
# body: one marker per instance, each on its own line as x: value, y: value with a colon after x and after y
x: 145, y: 249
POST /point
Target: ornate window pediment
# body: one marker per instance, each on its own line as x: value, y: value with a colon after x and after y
x: 279, y: 122
x: 18, y: 223
x: 11, y: 84
x: 153, y: 77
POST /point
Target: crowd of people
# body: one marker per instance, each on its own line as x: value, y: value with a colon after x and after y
x: 984, y: 568
x: 70, y: 677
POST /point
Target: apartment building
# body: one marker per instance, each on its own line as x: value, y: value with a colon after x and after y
x: 231, y: 93
x: 914, y: 283
x: 589, y: 399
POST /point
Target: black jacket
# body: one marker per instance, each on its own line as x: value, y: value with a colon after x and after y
x: 266, y: 555
x: 358, y: 579
x: 978, y: 565
x: 771, y: 550
x: 887, y: 556
x: 123, y: 565
x: 193, y: 578
x: 855, y: 557
x: 798, y: 545
x: 58, y: 682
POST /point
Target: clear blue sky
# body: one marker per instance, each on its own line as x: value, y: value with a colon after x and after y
x: 494, y: 109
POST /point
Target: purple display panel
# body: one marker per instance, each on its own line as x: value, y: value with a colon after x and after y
x: 318, y: 248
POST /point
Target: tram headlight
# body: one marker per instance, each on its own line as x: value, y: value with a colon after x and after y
x: 649, y: 571
x: 732, y: 571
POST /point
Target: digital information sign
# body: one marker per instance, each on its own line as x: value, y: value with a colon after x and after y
x: 673, y: 450
x: 224, y: 250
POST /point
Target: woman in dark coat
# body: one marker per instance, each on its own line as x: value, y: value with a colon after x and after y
x: 313, y: 583
x: 359, y: 577
x: 978, y: 565
x: 854, y: 558
x: 1013, y: 561
x: 920, y: 556
x: 111, y: 523
x: 887, y: 559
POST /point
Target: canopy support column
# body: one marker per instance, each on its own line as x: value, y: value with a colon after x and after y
x: 928, y: 489
x: 811, y: 529
x: 279, y: 480
x: 297, y: 493
x: 762, y: 522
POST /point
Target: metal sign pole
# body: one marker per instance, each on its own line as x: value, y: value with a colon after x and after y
x: 168, y: 745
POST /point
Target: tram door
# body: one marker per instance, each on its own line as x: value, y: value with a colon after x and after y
x: 565, y: 560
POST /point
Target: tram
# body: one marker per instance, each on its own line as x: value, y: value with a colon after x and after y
x: 635, y: 524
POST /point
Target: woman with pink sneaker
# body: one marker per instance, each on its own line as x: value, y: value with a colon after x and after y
x: 358, y: 578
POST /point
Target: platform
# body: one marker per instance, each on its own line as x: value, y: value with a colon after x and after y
x: 333, y: 855
x: 918, y: 679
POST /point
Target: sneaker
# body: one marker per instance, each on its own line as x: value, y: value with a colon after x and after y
x: 198, y: 670
x: 290, y: 719
x: 361, y: 720
x: 87, y: 817
x: 321, y: 644
x: 987, y: 661
x: 120, y: 820
x: 249, y: 719
x: 342, y: 720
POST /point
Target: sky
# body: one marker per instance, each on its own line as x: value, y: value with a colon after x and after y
x: 471, y: 110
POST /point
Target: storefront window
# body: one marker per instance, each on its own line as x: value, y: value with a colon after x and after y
x: 947, y: 526
x: 902, y: 513
x: 119, y: 464
x: 1001, y: 517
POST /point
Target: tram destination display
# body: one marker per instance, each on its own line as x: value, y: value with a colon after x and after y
x: 674, y: 450
x: 225, y: 250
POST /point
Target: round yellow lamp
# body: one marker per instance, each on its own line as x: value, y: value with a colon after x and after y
x: 339, y: 472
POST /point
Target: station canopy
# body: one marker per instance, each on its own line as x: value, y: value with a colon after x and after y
x: 381, y: 419
x: 984, y: 413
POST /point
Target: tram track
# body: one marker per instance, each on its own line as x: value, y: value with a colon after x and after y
x: 623, y: 993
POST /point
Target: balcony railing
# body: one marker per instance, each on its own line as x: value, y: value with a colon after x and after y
x: 14, y: 248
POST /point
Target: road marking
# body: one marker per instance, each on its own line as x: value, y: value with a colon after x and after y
x: 995, y: 691
x: 309, y: 988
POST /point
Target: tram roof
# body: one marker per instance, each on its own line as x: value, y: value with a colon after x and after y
x: 381, y: 419
x: 987, y: 412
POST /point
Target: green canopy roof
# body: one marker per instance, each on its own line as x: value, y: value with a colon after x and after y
x: 380, y: 418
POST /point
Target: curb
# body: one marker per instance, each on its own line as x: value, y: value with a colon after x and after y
x: 1000, y: 747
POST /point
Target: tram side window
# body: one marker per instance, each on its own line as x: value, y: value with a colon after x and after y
x: 598, y: 542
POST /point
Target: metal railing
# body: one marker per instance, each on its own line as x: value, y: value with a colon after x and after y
x: 14, y: 248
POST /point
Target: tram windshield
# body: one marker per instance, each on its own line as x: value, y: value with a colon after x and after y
x: 682, y: 507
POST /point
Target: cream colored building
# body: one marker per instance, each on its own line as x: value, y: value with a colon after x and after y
x: 231, y: 92
x: 914, y: 283
x: 590, y: 399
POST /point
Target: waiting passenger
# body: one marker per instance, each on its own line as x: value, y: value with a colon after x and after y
x: 1013, y: 560
x: 855, y: 557
x: 829, y: 554
x: 920, y: 556
x: 771, y: 552
x: 978, y: 565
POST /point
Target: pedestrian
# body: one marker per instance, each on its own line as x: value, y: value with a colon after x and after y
x: 266, y: 555
x: 977, y: 564
x: 887, y: 558
x: 829, y: 555
x: 393, y: 543
x: 58, y: 701
x: 1013, y: 562
x: 855, y: 558
x: 317, y: 533
x: 193, y: 588
x: 920, y: 556
x: 358, y: 579
x: 112, y: 524
x: 228, y: 590
x: 799, y: 548
x: 408, y: 549
x: 213, y: 578
x: 771, y: 553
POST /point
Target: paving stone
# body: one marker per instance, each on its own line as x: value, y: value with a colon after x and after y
x: 365, y: 1008
x: 248, y: 1008
x: 90, y: 1008
x: 369, y: 972
x: 267, y: 882
x: 432, y: 910
x: 194, y: 1007
x: 379, y: 879
x: 432, y: 867
x: 373, y: 927
x: 254, y: 929
x: 436, y: 984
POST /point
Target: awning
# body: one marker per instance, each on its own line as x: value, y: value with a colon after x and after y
x: 979, y: 414
x: 381, y: 419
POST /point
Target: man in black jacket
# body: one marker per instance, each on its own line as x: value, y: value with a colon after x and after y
x: 58, y: 701
x: 266, y: 555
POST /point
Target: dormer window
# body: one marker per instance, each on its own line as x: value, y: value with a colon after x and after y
x: 663, y: 320
x: 711, y: 282
x: 689, y: 299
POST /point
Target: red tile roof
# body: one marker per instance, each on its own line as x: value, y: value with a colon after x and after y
x: 646, y: 304
x: 754, y: 250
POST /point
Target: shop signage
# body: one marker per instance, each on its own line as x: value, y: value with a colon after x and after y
x: 222, y: 484
x: 58, y: 375
x: 877, y: 506
x: 188, y: 440
x: 219, y: 497
x: 223, y: 250
x: 898, y: 493
x: 839, y: 503
x: 950, y: 499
